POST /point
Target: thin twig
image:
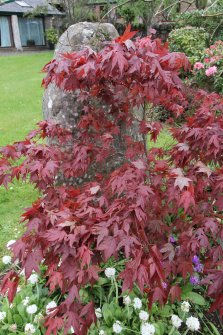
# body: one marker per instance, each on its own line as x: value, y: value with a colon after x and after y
x: 163, y: 10
x: 114, y: 7
x: 160, y: 6
x: 106, y: 14
x: 212, y: 35
x: 212, y: 15
x: 144, y: 136
x: 210, y: 6
x: 170, y: 6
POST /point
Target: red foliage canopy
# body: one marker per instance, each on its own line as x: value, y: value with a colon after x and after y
x: 138, y: 206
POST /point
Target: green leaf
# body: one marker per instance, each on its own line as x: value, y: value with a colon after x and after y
x: 102, y: 281
x: 107, y: 314
x: 195, y: 298
x: 118, y: 313
x: 187, y: 288
x: 17, y: 319
x: 160, y: 328
x: 21, y: 310
x: 166, y: 311
x: 9, y: 316
x: 215, y: 331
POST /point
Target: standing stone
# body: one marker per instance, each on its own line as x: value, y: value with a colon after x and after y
x: 63, y: 108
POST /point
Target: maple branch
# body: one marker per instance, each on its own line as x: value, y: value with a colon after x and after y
x: 144, y: 136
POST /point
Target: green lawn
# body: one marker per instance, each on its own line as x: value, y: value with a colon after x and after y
x: 20, y: 110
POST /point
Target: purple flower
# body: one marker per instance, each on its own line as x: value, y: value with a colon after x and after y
x: 164, y: 285
x: 172, y: 239
x: 199, y: 267
x: 194, y: 280
x: 195, y: 259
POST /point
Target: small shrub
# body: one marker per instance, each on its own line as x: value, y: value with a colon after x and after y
x: 209, y: 71
x: 52, y: 36
x: 192, y: 41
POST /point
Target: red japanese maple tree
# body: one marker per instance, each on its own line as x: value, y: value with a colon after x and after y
x: 134, y: 209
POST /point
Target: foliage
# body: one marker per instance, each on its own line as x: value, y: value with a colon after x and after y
x: 52, y: 36
x: 32, y: 302
x: 156, y: 211
x: 208, y: 19
x: 134, y: 10
x: 17, y: 314
x: 191, y: 41
x: 208, y: 72
x: 140, y: 11
x: 77, y: 11
x: 37, y: 11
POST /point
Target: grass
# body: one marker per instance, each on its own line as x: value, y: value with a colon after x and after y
x: 164, y: 140
x: 20, y: 110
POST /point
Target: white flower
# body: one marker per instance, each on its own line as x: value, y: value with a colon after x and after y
x: 185, y: 306
x: 33, y: 279
x: 25, y: 301
x: 38, y: 318
x: 110, y: 272
x: 137, y: 303
x: 143, y: 315
x: 49, y: 306
x: 147, y: 329
x: 192, y: 323
x: 8, y: 245
x: 6, y: 259
x: 98, y: 313
x: 29, y: 329
x: 18, y: 289
x: 117, y: 328
x: 101, y: 332
x: 32, y: 309
x: 11, y: 306
x: 127, y: 300
x: 71, y: 331
x: 176, y: 321
x: 13, y: 327
x: 2, y: 316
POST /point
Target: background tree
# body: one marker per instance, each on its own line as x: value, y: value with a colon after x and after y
x: 77, y: 11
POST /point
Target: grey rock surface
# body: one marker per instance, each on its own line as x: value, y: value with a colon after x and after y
x: 59, y: 105
x: 63, y: 107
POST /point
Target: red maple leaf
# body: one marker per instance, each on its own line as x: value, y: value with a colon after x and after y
x: 127, y: 35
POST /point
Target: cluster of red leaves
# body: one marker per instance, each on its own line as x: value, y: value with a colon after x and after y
x: 74, y: 229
